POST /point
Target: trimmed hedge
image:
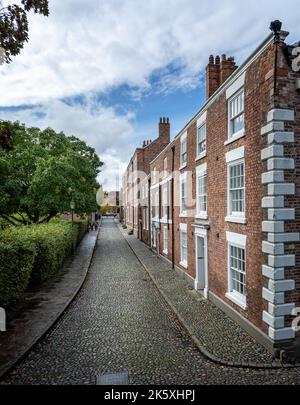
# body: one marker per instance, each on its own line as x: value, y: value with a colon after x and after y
x: 16, y: 262
x: 51, y: 244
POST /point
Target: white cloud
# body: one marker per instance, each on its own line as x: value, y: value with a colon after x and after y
x: 93, y: 45
x: 87, y: 47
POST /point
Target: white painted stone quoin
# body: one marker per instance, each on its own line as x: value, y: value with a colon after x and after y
x: 274, y: 203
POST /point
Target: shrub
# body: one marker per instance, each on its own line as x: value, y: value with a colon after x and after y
x: 53, y: 242
x: 16, y: 261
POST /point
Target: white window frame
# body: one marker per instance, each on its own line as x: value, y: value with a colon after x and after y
x: 156, y: 204
x: 154, y: 175
x: 183, y: 140
x: 135, y: 215
x: 183, y: 260
x: 201, y: 173
x: 166, y: 239
x: 165, y: 167
x: 233, y: 158
x: 233, y: 136
x: 201, y: 155
x: 239, y: 241
x: 165, y: 201
x: 154, y: 236
x: 183, y: 180
x: 145, y: 218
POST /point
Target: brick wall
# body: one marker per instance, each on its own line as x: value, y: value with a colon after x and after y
x: 260, y: 98
x: 137, y: 172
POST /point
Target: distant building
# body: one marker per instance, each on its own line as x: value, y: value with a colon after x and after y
x: 111, y: 202
x: 136, y: 181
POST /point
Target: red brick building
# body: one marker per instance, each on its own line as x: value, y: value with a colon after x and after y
x: 224, y: 194
x: 135, y: 182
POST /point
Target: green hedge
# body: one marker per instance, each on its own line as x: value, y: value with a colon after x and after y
x: 51, y: 243
x: 16, y: 262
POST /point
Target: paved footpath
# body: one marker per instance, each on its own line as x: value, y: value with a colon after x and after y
x: 119, y: 321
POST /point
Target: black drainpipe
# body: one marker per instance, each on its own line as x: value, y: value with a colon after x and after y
x: 172, y: 207
x: 276, y: 28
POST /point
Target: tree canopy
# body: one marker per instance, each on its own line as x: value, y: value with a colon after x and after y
x: 14, y: 26
x: 42, y: 172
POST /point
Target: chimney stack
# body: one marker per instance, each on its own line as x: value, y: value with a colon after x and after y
x: 212, y: 76
x: 228, y: 66
x: 164, y: 129
x: 217, y: 72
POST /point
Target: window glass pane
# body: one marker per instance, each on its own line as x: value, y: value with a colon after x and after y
x: 183, y: 151
x: 183, y: 205
x: 237, y: 270
x: 236, y: 188
x: 236, y: 113
x: 201, y: 144
x: 202, y: 196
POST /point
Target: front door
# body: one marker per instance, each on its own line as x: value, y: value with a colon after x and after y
x: 200, y: 263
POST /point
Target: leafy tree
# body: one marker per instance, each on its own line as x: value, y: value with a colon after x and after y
x: 14, y: 26
x: 42, y: 172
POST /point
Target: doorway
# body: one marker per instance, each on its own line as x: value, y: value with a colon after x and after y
x: 201, y: 281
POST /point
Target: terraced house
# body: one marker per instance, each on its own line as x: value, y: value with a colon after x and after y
x: 135, y: 182
x: 224, y: 194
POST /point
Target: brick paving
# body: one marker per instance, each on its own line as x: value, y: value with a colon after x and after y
x: 120, y: 322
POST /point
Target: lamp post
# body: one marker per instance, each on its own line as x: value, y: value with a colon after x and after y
x: 72, y: 206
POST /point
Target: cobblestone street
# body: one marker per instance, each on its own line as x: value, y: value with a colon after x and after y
x: 118, y: 322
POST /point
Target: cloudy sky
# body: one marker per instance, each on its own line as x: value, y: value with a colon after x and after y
x: 106, y: 70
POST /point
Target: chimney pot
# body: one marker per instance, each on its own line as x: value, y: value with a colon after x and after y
x: 217, y: 60
x: 211, y: 59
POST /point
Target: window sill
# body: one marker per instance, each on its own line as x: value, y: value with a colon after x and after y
x: 235, y: 137
x: 236, y: 220
x: 201, y: 156
x: 237, y: 299
x: 184, y: 264
x: 183, y: 215
x: 201, y: 216
x: 183, y: 166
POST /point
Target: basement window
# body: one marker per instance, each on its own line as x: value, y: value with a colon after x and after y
x: 237, y: 275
